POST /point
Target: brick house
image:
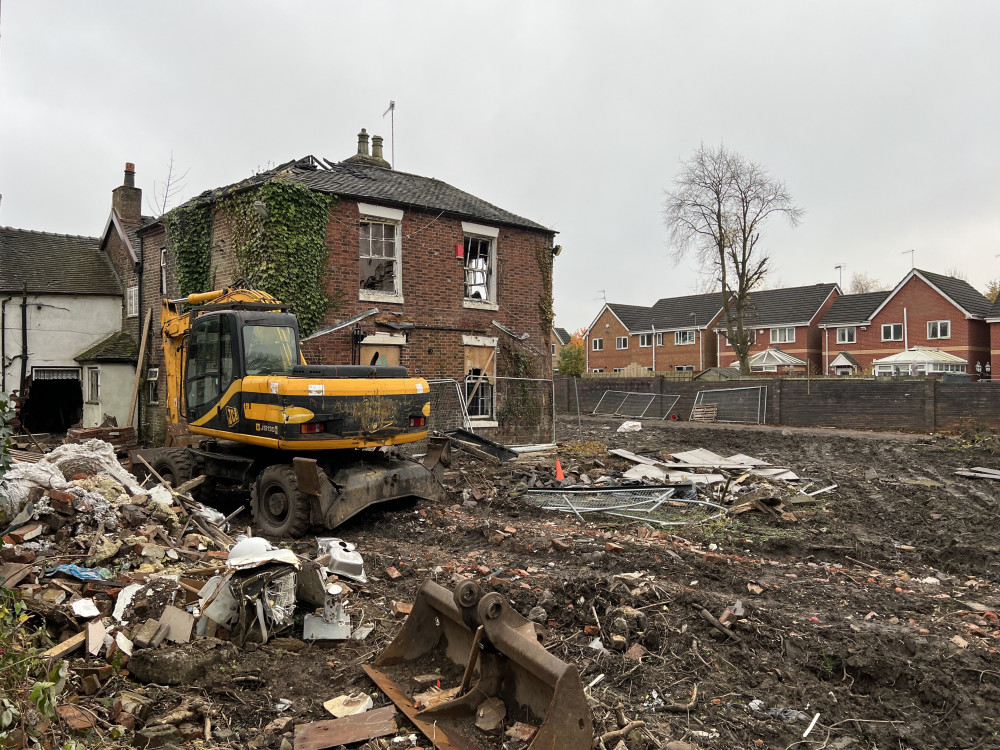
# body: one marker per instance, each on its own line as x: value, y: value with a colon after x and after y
x: 560, y: 337
x: 925, y: 311
x: 785, y: 321
x: 667, y: 337
x: 993, y: 319
x: 419, y: 273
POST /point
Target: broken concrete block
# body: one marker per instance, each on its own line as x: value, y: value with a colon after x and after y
x: 184, y: 664
x: 179, y: 622
x: 158, y: 736
x: 144, y: 634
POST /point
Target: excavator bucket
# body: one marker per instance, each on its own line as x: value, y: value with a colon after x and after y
x: 466, y: 666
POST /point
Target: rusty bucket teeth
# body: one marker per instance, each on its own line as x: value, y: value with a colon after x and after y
x: 488, y: 665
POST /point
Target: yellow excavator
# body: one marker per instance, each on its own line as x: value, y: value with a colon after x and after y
x: 312, y: 443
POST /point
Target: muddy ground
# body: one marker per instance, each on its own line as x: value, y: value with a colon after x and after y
x: 874, y: 608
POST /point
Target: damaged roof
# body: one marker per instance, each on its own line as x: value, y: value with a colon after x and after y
x: 54, y: 264
x: 357, y: 180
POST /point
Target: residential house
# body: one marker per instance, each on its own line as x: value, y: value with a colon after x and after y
x: 667, y: 337
x: 560, y: 338
x: 60, y: 341
x: 925, y: 313
x: 993, y: 319
x: 416, y: 271
x: 784, y: 329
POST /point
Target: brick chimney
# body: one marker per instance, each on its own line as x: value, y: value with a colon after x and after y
x: 362, y: 156
x: 126, y: 199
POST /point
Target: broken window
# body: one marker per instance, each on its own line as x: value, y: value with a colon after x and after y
x: 132, y: 302
x: 93, y: 385
x: 782, y: 335
x: 683, y: 337
x: 480, y: 367
x: 846, y: 335
x: 153, y: 386
x: 379, y: 258
x: 939, y: 329
x: 892, y: 332
x: 479, y: 267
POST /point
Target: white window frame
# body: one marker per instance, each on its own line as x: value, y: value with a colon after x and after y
x: 617, y: 369
x: 684, y: 368
x: 93, y: 385
x: 645, y: 340
x: 598, y: 369
x: 847, y: 335
x: 597, y: 345
x: 659, y: 339
x: 371, y: 214
x: 751, y: 334
x: 765, y: 368
x: 892, y: 327
x: 553, y: 350
x: 934, y: 329
x: 783, y: 335
x: 153, y: 386
x: 488, y: 234
x: 163, y: 270
x: 132, y: 302
x: 621, y: 342
x: 686, y: 338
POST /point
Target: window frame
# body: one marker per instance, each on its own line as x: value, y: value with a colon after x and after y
x: 844, y: 340
x: 684, y: 368
x: 597, y: 369
x: 491, y: 235
x: 617, y: 369
x: 94, y: 385
x: 780, y: 335
x: 153, y: 386
x: 938, y: 323
x: 648, y: 337
x: 371, y: 214
x: 132, y: 302
x: 618, y: 343
x: 681, y: 337
x: 892, y: 327
x: 659, y: 339
x: 597, y: 345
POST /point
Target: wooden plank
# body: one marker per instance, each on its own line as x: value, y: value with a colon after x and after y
x: 12, y: 573
x: 138, y: 366
x: 320, y: 735
x: 68, y: 646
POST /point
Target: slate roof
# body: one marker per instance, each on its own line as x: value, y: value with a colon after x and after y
x: 634, y: 317
x: 54, y: 264
x: 785, y: 307
x: 118, y: 347
x: 368, y: 182
x: 849, y: 309
x: 562, y: 334
x: 675, y: 312
x: 961, y: 292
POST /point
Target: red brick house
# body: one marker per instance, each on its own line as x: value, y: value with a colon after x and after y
x: 993, y: 319
x: 925, y: 311
x: 785, y: 321
x: 560, y: 338
x: 667, y: 337
x: 417, y: 273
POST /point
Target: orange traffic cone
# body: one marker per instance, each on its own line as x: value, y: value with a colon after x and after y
x: 559, y: 472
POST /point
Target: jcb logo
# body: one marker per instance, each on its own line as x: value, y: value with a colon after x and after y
x: 232, y: 415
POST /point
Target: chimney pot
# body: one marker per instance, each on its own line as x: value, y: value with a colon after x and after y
x: 129, y: 174
x: 377, y: 146
x: 363, y: 142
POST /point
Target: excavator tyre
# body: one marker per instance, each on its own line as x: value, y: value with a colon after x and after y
x: 496, y: 664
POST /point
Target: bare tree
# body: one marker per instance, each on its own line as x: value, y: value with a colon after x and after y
x: 862, y: 283
x: 957, y: 273
x: 162, y: 194
x: 717, y: 210
x: 993, y: 290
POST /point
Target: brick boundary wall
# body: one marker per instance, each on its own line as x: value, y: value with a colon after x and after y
x: 917, y: 405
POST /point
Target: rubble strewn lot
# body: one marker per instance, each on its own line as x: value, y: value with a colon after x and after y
x: 870, y: 607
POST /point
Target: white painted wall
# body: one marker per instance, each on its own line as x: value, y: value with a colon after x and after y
x: 116, y: 389
x: 59, y: 328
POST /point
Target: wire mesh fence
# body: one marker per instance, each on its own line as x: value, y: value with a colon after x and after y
x: 636, y: 405
x: 666, y: 506
x: 747, y: 404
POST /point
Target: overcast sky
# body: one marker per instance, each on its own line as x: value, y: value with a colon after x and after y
x: 883, y: 118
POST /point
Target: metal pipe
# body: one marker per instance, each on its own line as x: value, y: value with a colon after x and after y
x: 3, y: 344
x: 24, y: 339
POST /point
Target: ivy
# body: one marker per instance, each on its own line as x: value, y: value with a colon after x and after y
x: 278, y: 232
x: 546, y: 314
x: 189, y: 229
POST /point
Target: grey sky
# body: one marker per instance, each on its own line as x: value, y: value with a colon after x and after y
x: 881, y: 117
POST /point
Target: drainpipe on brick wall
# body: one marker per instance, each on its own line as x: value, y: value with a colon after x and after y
x: 654, y: 348
x: 906, y: 332
x: 826, y: 350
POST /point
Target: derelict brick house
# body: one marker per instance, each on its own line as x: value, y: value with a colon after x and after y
x: 417, y: 272
x: 929, y: 323
x: 667, y: 337
x: 62, y: 347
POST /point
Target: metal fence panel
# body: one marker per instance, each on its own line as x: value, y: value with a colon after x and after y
x: 636, y: 405
x: 735, y: 404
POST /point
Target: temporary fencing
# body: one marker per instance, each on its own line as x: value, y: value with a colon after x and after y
x: 748, y: 404
x: 636, y: 405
